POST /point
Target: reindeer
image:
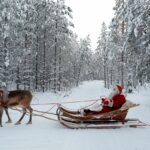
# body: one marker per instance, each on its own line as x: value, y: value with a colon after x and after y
x: 17, y: 98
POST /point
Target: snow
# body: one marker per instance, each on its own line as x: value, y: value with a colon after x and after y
x: 45, y: 134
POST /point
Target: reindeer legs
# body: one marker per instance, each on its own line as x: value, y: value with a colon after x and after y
x: 19, y: 121
x: 24, y: 112
x: 30, y: 119
x: 9, y: 119
x: 1, y: 114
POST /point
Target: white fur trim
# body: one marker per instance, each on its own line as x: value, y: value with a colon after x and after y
x: 110, y: 103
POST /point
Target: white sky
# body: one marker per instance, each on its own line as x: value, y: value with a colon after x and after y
x: 88, y: 16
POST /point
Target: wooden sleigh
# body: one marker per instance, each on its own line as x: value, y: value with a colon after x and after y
x: 110, y: 120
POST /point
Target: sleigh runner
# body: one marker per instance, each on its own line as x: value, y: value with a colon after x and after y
x: 114, y: 119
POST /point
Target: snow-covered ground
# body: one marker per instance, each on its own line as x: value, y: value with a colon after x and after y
x: 45, y: 134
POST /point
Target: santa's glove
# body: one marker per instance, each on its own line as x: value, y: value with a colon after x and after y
x: 103, y: 99
x: 108, y: 103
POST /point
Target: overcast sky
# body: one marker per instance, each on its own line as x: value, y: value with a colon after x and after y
x: 88, y: 16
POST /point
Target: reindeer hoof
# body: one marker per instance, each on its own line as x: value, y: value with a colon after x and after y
x: 9, y: 121
x: 17, y: 123
x: 28, y: 123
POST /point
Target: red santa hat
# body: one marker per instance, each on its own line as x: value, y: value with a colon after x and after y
x: 119, y: 88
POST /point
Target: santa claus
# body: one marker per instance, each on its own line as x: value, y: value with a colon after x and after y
x: 114, y: 101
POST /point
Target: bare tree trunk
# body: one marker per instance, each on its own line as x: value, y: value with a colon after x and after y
x: 44, y: 62
x: 55, y: 64
x: 105, y: 82
x: 36, y: 66
x: 122, y: 69
x: 25, y: 62
x: 55, y: 51
x: 111, y: 76
x: 79, y: 71
x: 44, y: 53
x: 60, y: 73
x: 107, y: 77
x: 18, y: 77
x: 122, y: 55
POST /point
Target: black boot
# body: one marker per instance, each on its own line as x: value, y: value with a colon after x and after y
x: 87, y: 111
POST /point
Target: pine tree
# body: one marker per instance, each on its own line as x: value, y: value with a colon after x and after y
x: 61, y: 35
x: 5, y: 41
x: 137, y: 41
x: 103, y: 51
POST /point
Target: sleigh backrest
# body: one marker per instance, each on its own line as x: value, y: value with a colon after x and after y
x: 128, y: 104
x: 119, y: 114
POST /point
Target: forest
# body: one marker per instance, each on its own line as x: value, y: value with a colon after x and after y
x: 39, y: 50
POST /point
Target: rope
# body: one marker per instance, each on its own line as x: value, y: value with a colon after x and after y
x: 47, y: 112
x: 82, y: 101
x: 35, y: 114
x: 92, y: 103
x: 45, y: 117
x: 54, y: 104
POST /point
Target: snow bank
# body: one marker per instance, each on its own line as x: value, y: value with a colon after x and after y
x: 45, y: 135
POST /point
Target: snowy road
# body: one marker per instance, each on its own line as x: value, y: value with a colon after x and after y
x: 45, y: 135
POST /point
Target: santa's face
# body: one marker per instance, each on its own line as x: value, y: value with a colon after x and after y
x: 114, y: 92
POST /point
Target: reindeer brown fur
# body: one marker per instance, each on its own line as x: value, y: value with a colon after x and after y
x: 17, y: 98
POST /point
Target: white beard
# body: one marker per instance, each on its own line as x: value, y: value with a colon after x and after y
x: 113, y: 93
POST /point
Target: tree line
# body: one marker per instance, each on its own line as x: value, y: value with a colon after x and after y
x: 38, y: 48
x: 124, y: 47
x: 40, y: 51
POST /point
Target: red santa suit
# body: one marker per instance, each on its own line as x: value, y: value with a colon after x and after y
x: 114, y: 101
